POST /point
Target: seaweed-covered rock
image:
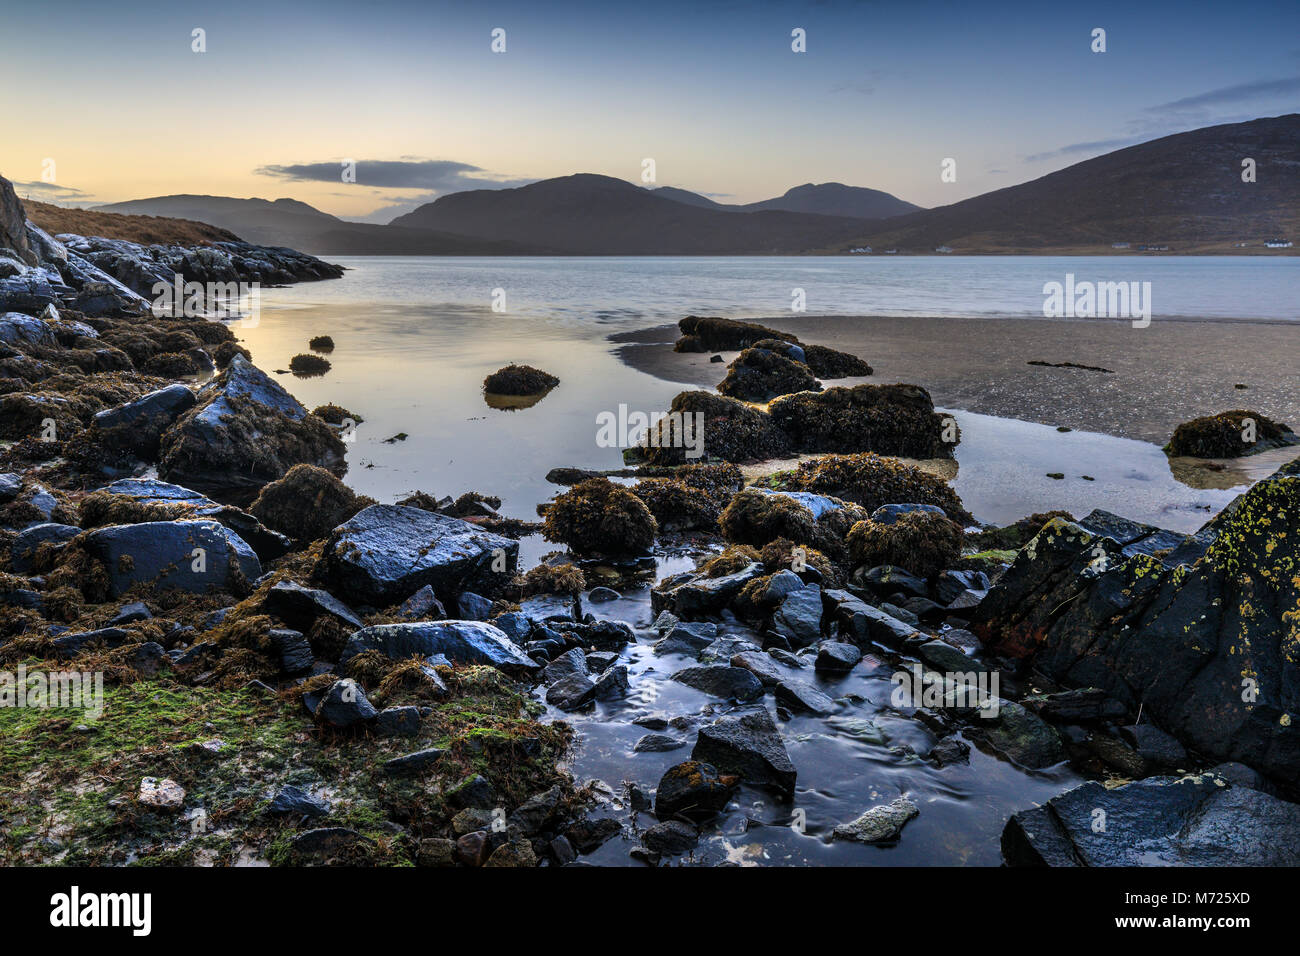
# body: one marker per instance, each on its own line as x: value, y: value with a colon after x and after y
x: 246, y: 431
x: 896, y: 420
x: 677, y: 506
x: 307, y: 503
x: 755, y: 518
x: 597, y: 516
x: 871, y: 480
x: 732, y: 431
x: 386, y: 552
x: 187, y: 555
x: 828, y: 363
x: 1229, y: 434
x: 1205, y: 648
x: 519, y: 380
x: 923, y: 542
x: 759, y: 375
x: 461, y: 642
x: 693, y: 790
x: 307, y: 364
x: 714, y: 334
x: 137, y: 426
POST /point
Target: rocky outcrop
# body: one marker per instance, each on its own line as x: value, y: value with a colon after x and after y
x: 461, y: 642
x: 1200, y: 633
x: 195, y: 556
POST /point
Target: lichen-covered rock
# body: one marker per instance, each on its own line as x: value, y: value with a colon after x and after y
x: 879, y: 823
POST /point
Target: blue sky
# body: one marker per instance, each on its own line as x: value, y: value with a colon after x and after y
x: 114, y: 95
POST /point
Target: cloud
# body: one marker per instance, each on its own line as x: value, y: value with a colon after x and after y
x: 1231, y: 94
x: 52, y: 192
x: 1074, y: 149
x: 433, y: 176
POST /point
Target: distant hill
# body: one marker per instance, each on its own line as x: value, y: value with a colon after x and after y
x: 288, y: 222
x: 1184, y: 191
x: 586, y: 214
x: 146, y: 230
x: 823, y: 199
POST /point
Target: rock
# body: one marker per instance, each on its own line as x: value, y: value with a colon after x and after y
x: 1176, y: 641
x: 760, y: 665
x: 137, y: 427
x: 344, y: 705
x: 879, y: 823
x: 749, y: 745
x: 601, y: 595
x: 473, y: 607
x: 1155, y: 746
x: 862, y: 622
x: 568, y: 664
x: 25, y: 544
x: 398, y: 722
x: 413, y: 764
x: 612, y: 684
x: 657, y: 743
x: 1197, y: 820
x: 801, y: 697
x: 294, y: 801
x: 836, y: 658
x: 461, y: 642
x: 572, y: 692
x: 724, y: 649
x: 245, y: 431
x: 949, y: 750
x: 293, y: 649
x: 19, y: 329
x: 947, y: 659
x: 472, y: 848
x: 128, y: 613
x: 721, y: 680
x: 1074, y: 706
x: 692, y: 790
x: 147, y: 659
x: 700, y: 595
x: 687, y: 638
x: 11, y: 485
x: 888, y: 578
x: 161, y: 794
x: 195, y: 556
x: 1115, y: 753
x: 299, y: 607
x: 475, y: 791
x: 386, y: 552
x: 328, y: 843
x: 670, y: 838
x: 513, y: 855
x: 537, y: 812
x: 1022, y: 736
x: 513, y: 624
x: 544, y: 608
x: 889, y: 514
x: 967, y: 600
x: 424, y: 605
x: 799, y: 616
x: 601, y: 661
x: 587, y: 835
x: 950, y: 585
x: 436, y: 851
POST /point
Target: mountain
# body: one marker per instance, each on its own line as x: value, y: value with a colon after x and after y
x: 824, y: 199
x: 288, y: 222
x: 587, y: 214
x: 146, y: 230
x: 1184, y: 191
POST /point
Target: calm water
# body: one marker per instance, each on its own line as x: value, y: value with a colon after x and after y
x: 415, y: 338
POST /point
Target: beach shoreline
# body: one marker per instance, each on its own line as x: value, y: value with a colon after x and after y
x: 1158, y: 377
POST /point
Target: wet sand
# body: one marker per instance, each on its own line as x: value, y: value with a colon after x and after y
x: 1160, y: 376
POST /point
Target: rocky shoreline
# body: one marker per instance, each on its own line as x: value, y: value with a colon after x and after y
x: 297, y: 674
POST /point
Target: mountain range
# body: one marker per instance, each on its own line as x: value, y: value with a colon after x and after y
x: 1185, y: 191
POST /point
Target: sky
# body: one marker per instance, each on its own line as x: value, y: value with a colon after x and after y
x: 105, y: 102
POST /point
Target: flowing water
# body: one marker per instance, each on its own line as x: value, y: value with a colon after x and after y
x: 415, y: 338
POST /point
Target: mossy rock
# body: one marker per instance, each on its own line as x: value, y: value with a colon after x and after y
x: 519, y: 380
x: 1224, y: 435
x: 307, y: 503
x: 597, y: 517
x: 897, y: 420
x: 923, y: 542
x: 760, y: 374
x: 304, y: 363
x: 732, y: 432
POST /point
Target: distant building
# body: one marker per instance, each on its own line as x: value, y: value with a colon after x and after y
x: 1279, y: 243
x: 861, y: 250
x: 1153, y: 248
x: 1119, y: 245
x: 943, y: 249
x: 891, y: 252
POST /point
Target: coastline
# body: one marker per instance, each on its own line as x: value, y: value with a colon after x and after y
x: 1168, y: 373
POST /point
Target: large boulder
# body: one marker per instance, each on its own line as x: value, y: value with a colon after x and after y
x: 195, y: 556
x: 749, y: 745
x: 19, y: 329
x: 461, y: 642
x: 244, y: 432
x: 1206, y: 648
x: 1199, y: 820
x: 13, y: 224
x: 388, y: 552
x: 136, y: 427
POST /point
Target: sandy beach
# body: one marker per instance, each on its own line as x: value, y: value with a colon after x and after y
x: 1159, y: 376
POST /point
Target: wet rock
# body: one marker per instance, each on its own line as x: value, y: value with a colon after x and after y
x: 1196, y: 820
x: 299, y: 607
x: 562, y: 851
x: 472, y: 848
x: 328, y: 843
x: 836, y: 658
x: 537, y: 812
x: 19, y: 329
x: 1155, y: 746
x: 879, y: 823
x: 889, y: 514
x: 724, y: 648
x: 293, y: 650
x: 545, y: 608
x: 588, y: 835
x: 601, y: 661
x: 413, y: 764
x: 612, y: 684
x: 344, y: 705
x: 424, y: 605
x: 1115, y: 753
x: 294, y: 801
x: 462, y: 642
x: 721, y: 680
x: 137, y: 427
x: 862, y: 622
x: 244, y: 432
x: 801, y: 697
x: 687, y: 638
x: 473, y: 607
x: 670, y: 838
x: 1077, y: 705
x: 700, y: 595
x: 129, y: 613
x: 11, y: 485
x: 386, y: 552
x: 515, y: 854
x: 572, y: 692
x: 693, y: 790
x: 601, y: 595
x: 949, y: 750
x: 147, y: 659
x: 513, y: 624
x: 1022, y: 736
x: 950, y: 585
x: 192, y: 556
x: 570, y: 663
x: 25, y: 544
x: 945, y: 658
x: 888, y: 578
x: 749, y: 745
x: 760, y: 665
x: 657, y: 743
x: 799, y: 617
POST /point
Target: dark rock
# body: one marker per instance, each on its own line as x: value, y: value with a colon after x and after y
x: 749, y: 745
x: 950, y: 585
x: 386, y: 552
x: 801, y: 697
x: 657, y: 743
x: 294, y: 801
x: 572, y: 692
x: 1022, y: 736
x: 700, y: 595
x: 11, y: 486
x: 543, y: 608
x: 537, y: 812
x: 612, y: 684
x: 670, y: 838
x: 187, y: 555
x: 863, y: 623
x: 949, y: 750
x: 721, y: 680
x: 436, y: 851
x: 687, y: 638
x: 945, y: 658
x: 568, y: 664
x: 562, y: 851
x: 693, y: 790
x: 513, y: 624
x: 888, y: 578
x: 1155, y: 746
x: 472, y: 848
x: 413, y: 764
x: 344, y: 705
x: 1077, y: 705
x: 293, y: 649
x: 398, y: 722
x: 299, y: 607
x: 328, y: 843
x: 587, y: 835
x: 424, y: 605
x: 148, y: 659
x: 799, y: 618
x: 473, y: 607
x: 67, y: 645
x: 600, y: 595
x: 128, y: 613
x: 760, y: 665
x: 462, y: 642
x: 1160, y: 821
x: 889, y: 514
x: 25, y: 544
x: 137, y: 426
x: 476, y: 792
x: 836, y: 658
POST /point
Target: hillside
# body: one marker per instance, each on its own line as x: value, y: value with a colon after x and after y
x: 586, y: 214
x: 1184, y: 191
x: 822, y: 199
x: 142, y: 229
